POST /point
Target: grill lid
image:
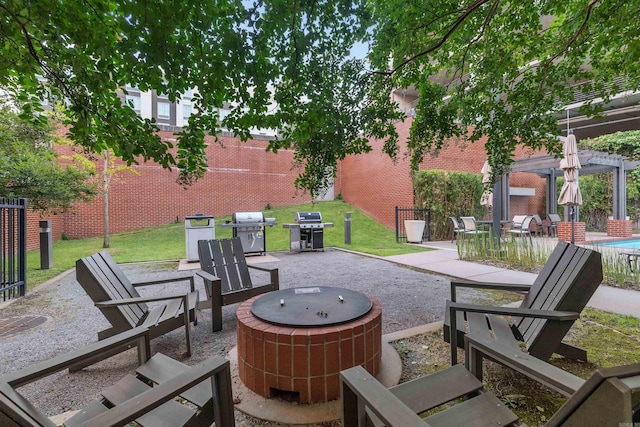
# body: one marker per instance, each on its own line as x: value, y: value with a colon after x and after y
x: 247, y: 217
x: 308, y: 217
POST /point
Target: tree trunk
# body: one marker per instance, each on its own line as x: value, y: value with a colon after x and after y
x: 105, y: 189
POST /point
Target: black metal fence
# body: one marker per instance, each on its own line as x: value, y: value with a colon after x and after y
x: 13, y: 248
x: 403, y: 214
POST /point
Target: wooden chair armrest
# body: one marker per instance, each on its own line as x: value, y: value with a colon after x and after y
x: 556, y: 378
x: 216, y: 367
x: 187, y: 276
x: 452, y: 307
x: 135, y: 337
x: 514, y: 287
x: 513, y: 311
x: 207, y: 276
x: 258, y: 267
x: 273, y: 274
x: 360, y: 389
x: 137, y: 300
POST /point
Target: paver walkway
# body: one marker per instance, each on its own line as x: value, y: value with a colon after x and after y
x: 444, y: 260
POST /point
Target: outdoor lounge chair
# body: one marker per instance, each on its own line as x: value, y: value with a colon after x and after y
x: 608, y: 398
x: 552, y: 303
x: 226, y: 276
x: 119, y: 301
x: 162, y: 392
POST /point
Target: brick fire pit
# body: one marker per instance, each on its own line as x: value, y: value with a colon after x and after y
x: 302, y: 362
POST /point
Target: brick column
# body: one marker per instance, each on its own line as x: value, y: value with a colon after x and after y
x: 619, y: 228
x: 579, y: 231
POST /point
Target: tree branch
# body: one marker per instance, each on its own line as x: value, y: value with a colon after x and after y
x: 440, y: 42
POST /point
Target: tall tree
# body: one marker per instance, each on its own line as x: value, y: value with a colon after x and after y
x: 503, y: 69
x: 281, y: 64
x: 498, y: 68
x: 29, y: 167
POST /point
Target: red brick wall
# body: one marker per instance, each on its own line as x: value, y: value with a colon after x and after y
x: 241, y: 177
x: 244, y: 177
x: 375, y: 184
x: 619, y: 228
x: 579, y: 231
x: 33, y: 228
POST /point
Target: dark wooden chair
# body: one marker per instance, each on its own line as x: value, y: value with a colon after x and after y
x: 119, y: 301
x: 226, y: 276
x: 162, y: 392
x: 608, y: 398
x: 551, y: 305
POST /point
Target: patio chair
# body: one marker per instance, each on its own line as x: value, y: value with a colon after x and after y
x: 162, y: 392
x: 119, y: 301
x: 471, y: 228
x: 457, y: 228
x: 523, y: 230
x: 226, y: 276
x: 539, y: 225
x: 554, y: 219
x: 552, y: 303
x: 608, y: 398
x: 517, y: 220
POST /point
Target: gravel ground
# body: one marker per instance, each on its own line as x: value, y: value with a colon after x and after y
x: 409, y: 298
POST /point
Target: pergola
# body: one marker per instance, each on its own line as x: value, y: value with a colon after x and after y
x: 620, y: 113
x: 547, y: 166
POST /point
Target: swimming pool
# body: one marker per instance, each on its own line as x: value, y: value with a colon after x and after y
x: 624, y: 244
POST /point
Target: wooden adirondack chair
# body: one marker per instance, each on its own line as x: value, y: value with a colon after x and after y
x: 560, y: 292
x: 163, y: 391
x: 226, y: 276
x: 119, y: 301
x: 608, y: 398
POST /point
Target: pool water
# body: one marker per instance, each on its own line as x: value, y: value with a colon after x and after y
x: 624, y: 244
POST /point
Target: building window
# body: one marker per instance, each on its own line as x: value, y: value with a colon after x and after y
x: 188, y: 94
x: 186, y: 111
x: 164, y: 110
x: 134, y: 102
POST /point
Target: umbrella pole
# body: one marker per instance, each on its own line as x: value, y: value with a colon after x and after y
x: 572, y: 214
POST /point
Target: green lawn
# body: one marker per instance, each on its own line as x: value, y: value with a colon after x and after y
x: 168, y: 241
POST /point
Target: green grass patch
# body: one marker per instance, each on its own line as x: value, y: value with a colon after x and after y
x: 167, y: 242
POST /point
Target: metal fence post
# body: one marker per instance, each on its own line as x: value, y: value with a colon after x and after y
x: 428, y: 224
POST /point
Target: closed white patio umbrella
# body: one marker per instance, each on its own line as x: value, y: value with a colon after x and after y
x: 570, y: 194
x: 487, y: 195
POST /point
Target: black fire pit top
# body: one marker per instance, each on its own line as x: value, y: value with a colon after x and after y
x: 311, y: 306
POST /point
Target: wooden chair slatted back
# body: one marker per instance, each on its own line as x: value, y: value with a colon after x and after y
x: 225, y: 259
x: 564, y: 285
x: 103, y: 280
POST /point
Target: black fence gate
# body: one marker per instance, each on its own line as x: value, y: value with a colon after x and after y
x: 402, y: 214
x: 13, y: 248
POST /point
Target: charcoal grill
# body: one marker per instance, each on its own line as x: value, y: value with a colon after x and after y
x: 307, y: 233
x: 250, y: 228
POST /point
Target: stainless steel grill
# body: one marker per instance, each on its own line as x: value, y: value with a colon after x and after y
x: 250, y: 228
x: 307, y: 233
